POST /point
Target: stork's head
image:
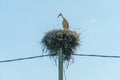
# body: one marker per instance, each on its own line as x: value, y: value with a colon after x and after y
x: 60, y: 15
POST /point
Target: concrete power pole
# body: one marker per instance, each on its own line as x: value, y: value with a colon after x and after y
x: 60, y: 63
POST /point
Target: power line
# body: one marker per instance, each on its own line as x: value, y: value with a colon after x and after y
x: 25, y: 58
x: 33, y: 57
x: 92, y: 55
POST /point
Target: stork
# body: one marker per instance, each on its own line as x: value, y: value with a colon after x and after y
x: 65, y: 23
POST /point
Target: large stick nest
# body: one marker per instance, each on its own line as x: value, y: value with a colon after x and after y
x: 66, y: 39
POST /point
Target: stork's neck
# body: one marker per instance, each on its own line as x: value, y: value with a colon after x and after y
x: 62, y: 16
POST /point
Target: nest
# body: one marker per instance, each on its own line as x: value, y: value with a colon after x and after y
x: 66, y: 40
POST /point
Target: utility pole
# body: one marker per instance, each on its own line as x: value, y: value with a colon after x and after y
x: 60, y: 63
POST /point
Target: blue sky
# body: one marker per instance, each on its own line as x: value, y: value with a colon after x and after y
x: 24, y: 22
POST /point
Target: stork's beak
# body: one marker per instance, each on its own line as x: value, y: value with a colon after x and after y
x: 59, y: 15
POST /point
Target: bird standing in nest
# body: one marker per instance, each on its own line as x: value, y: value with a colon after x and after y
x: 65, y: 23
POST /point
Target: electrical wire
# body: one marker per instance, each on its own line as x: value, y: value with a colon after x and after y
x: 33, y: 57
x: 25, y: 58
x: 92, y: 55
